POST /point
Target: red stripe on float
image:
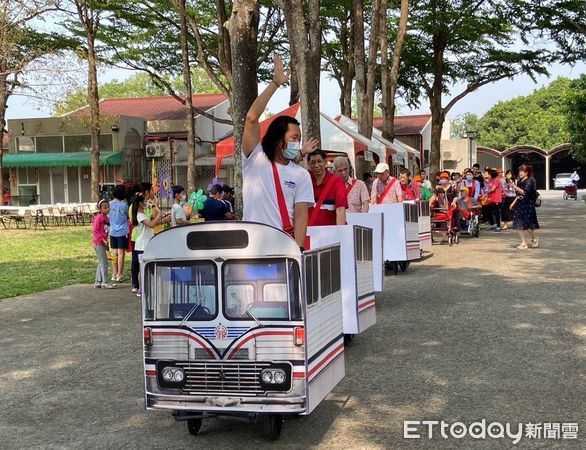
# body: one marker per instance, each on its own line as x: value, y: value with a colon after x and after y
x: 327, y: 358
x: 366, y: 305
x: 262, y: 333
x: 189, y: 336
x: 150, y: 373
x: 298, y: 375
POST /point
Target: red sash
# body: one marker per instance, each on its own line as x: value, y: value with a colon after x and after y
x: 386, y: 191
x: 320, y: 201
x: 349, y: 188
x: 287, y: 227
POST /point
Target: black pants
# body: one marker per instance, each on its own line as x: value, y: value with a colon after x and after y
x: 494, y: 214
x: 135, y: 268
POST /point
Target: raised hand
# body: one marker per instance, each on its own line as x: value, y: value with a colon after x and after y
x: 309, y: 146
x: 280, y: 75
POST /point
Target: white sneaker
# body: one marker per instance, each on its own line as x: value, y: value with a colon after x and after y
x: 108, y: 286
x: 134, y: 290
x: 97, y: 285
x: 119, y: 278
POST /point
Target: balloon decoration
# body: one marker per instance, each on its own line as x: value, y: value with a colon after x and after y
x: 214, y: 181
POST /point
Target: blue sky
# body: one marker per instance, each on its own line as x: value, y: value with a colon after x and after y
x: 478, y: 102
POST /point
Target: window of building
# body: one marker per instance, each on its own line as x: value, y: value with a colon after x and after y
x: 25, y: 144
x: 49, y: 144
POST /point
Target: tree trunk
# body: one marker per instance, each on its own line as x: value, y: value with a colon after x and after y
x: 390, y: 84
x: 359, y: 61
x: 243, y: 29
x: 365, y: 125
x: 437, y: 123
x: 347, y: 38
x: 94, y: 102
x: 305, y: 41
x: 187, y: 87
x: 4, y: 94
x: 294, y: 93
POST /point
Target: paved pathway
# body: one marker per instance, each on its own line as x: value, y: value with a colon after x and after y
x: 479, y: 331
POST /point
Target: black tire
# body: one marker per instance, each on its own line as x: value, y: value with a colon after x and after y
x: 450, y: 240
x: 395, y: 267
x: 275, y: 425
x: 403, y: 265
x: 193, y: 426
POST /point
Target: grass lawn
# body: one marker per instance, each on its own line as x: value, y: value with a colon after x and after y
x: 34, y: 261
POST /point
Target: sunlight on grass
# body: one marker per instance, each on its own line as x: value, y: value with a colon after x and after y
x: 33, y: 261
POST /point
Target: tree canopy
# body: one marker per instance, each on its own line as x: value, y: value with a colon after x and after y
x: 575, y: 114
x: 537, y: 119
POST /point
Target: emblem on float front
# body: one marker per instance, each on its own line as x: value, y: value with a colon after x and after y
x: 221, y: 332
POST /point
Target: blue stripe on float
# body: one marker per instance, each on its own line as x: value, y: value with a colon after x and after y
x: 324, y: 348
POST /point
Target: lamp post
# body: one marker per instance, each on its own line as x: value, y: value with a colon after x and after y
x: 471, y: 136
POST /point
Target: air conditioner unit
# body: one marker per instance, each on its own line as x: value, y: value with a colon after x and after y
x: 155, y: 150
x: 448, y: 156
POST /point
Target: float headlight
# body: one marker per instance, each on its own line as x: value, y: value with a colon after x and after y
x: 279, y: 376
x: 267, y: 376
x: 170, y: 376
x: 178, y: 375
x: 167, y: 374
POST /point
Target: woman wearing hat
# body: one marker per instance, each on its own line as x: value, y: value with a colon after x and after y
x: 445, y: 199
x: 386, y: 189
x: 424, y: 191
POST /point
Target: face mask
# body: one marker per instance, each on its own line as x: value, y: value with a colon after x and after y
x: 292, y: 150
x: 182, y: 200
x: 469, y: 177
x: 443, y: 182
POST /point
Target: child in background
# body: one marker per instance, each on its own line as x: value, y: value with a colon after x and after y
x: 100, y: 242
x: 178, y: 215
x: 145, y: 227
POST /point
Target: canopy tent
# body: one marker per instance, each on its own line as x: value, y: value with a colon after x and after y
x: 361, y: 143
x: 335, y: 138
x: 400, y: 152
x: 77, y: 159
x: 225, y: 147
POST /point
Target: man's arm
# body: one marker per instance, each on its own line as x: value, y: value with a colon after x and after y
x: 341, y: 216
x: 251, y: 136
x: 300, y: 217
x: 373, y: 190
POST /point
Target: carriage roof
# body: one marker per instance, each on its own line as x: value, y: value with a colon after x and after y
x: 221, y: 239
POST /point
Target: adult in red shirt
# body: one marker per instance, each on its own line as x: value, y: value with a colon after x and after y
x: 330, y: 193
x: 410, y: 190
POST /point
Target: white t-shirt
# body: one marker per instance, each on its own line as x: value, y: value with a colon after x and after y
x: 177, y: 212
x: 144, y: 233
x: 258, y: 188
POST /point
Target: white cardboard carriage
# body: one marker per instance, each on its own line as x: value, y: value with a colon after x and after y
x: 424, y: 220
x: 223, y: 303
x: 401, y: 231
x: 358, y: 295
x: 375, y: 222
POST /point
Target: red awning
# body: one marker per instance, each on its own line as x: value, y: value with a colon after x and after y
x: 225, y: 147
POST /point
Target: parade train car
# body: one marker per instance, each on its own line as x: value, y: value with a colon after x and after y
x: 373, y: 221
x: 424, y: 221
x: 238, y: 323
x: 401, y: 234
x: 358, y: 297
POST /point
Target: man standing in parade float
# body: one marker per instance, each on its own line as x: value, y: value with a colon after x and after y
x: 386, y: 188
x: 275, y: 190
x: 356, y: 190
x: 329, y: 191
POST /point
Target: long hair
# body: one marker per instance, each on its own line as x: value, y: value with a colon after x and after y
x: 136, y: 201
x: 528, y: 169
x: 275, y: 135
